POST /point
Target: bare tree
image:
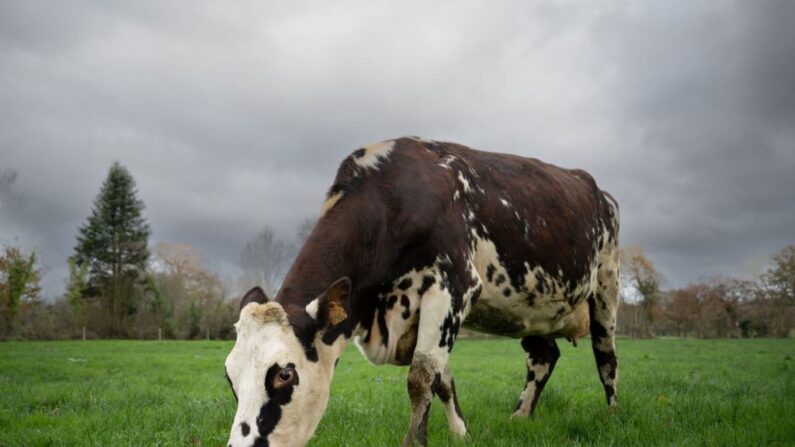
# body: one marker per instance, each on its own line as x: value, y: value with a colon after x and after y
x: 683, y: 310
x: 639, y: 273
x: 778, y: 283
x: 187, y: 299
x: 779, y: 278
x: 265, y: 260
x: 7, y: 194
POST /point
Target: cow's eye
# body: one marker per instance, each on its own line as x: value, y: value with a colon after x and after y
x: 285, y: 377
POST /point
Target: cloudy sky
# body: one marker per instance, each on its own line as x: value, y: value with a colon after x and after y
x: 234, y: 116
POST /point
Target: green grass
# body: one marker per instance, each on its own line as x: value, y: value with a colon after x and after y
x: 671, y: 392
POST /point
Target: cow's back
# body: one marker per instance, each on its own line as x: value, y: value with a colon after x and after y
x: 537, y: 231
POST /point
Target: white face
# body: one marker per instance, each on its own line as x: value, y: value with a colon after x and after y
x: 281, y: 394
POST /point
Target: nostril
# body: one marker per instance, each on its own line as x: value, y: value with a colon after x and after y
x: 244, y: 428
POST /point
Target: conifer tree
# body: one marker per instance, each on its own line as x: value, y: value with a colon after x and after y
x: 113, y: 246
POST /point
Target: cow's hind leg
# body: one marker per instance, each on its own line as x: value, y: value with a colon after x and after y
x: 542, y: 355
x: 602, y: 309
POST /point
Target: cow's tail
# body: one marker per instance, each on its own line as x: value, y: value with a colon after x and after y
x: 603, y: 307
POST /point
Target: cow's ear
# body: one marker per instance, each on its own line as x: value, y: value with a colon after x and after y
x: 328, y: 309
x: 255, y: 295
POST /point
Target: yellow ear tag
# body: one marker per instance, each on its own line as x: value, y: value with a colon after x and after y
x: 336, y: 314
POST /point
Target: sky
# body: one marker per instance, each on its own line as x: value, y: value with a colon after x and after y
x: 234, y: 116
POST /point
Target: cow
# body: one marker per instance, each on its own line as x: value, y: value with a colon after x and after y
x: 416, y: 239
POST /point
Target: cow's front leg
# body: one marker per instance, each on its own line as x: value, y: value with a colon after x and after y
x: 429, y: 374
x: 446, y: 392
x: 426, y: 379
x: 422, y: 374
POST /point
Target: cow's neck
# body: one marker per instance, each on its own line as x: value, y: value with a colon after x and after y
x: 311, y: 274
x: 332, y: 251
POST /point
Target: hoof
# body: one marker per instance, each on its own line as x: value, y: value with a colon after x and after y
x: 459, y: 431
x: 519, y: 414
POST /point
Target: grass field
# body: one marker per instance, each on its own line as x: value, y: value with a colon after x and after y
x: 671, y: 392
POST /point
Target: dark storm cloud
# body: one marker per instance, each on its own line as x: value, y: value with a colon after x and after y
x: 232, y: 118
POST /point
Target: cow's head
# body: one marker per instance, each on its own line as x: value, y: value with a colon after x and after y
x: 280, y: 372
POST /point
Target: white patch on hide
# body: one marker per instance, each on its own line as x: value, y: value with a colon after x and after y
x: 330, y: 202
x: 446, y: 161
x: 464, y: 182
x: 375, y: 154
x: 311, y: 309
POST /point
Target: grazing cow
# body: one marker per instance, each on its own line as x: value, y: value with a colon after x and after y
x: 417, y: 238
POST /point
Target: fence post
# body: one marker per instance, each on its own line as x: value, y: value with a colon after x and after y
x: 84, y: 333
x: 159, y: 334
x: 208, y: 335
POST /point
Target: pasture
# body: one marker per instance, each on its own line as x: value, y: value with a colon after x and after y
x: 671, y: 392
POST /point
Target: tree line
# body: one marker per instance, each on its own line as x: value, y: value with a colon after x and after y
x: 119, y: 287
x: 717, y: 307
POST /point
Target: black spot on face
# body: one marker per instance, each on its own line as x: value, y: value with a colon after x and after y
x: 330, y: 336
x: 245, y: 429
x: 271, y: 412
x: 305, y: 329
x: 506, y: 292
x: 390, y: 303
x: 359, y: 153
